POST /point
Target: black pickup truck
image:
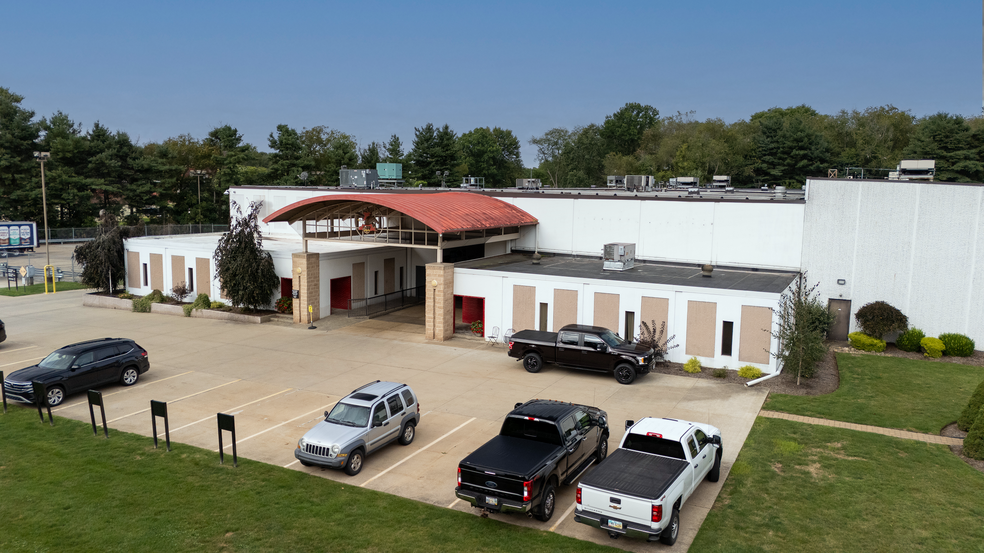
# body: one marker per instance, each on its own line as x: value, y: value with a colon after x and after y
x: 542, y: 444
x: 592, y: 348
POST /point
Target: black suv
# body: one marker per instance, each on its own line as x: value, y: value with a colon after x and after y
x: 79, y: 367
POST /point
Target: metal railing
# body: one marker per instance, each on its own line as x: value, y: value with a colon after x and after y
x: 376, y: 305
x: 80, y: 234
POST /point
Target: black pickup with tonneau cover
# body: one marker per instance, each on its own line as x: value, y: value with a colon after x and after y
x: 592, y: 348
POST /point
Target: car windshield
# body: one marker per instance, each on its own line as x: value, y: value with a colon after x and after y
x: 349, y: 415
x: 611, y: 338
x: 58, y: 361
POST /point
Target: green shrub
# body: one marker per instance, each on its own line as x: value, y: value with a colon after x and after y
x: 202, y: 302
x: 142, y: 305
x: 957, y: 345
x: 692, y: 365
x: 187, y: 309
x: 819, y: 317
x: 974, y: 442
x: 969, y: 413
x: 720, y: 373
x: 879, y: 318
x: 156, y: 296
x: 217, y: 305
x: 909, y: 340
x: 932, y: 347
x: 863, y: 342
x: 750, y: 372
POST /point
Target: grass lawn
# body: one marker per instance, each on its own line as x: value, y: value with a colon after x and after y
x: 922, y: 396
x: 39, y: 289
x: 64, y: 490
x: 799, y: 487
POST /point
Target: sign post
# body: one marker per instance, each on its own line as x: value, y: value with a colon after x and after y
x: 227, y: 422
x: 96, y: 398
x: 159, y: 409
x: 41, y: 400
x: 3, y: 393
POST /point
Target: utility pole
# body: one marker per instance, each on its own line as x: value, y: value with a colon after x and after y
x: 42, y: 157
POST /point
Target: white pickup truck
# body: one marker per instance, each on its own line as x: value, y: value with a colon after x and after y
x: 639, y: 489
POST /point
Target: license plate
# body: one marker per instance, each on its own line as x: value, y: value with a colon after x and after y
x: 493, y: 501
x: 615, y: 524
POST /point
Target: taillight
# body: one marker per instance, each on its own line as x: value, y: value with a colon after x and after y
x: 657, y: 513
x: 578, y: 495
x: 144, y: 354
x: 459, y: 476
x: 418, y: 407
x: 527, y: 486
x: 510, y: 344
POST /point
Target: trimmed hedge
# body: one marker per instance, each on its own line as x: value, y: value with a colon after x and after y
x: 909, y: 340
x: 957, y: 345
x: 863, y: 342
x: 142, y: 305
x: 932, y: 347
x: 750, y: 372
x: 879, y: 318
x: 969, y: 413
x: 974, y: 442
x: 692, y: 365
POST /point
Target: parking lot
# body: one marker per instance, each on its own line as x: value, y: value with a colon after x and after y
x: 278, y: 379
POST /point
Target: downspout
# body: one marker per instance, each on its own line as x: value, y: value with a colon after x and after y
x: 751, y: 383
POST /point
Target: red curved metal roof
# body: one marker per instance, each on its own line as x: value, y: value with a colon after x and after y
x: 443, y: 211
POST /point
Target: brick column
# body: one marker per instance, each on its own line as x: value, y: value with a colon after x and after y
x: 308, y: 282
x: 440, y: 301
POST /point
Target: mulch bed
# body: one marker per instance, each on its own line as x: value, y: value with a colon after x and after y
x: 827, y: 379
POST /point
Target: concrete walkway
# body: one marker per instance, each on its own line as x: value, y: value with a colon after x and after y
x: 928, y: 438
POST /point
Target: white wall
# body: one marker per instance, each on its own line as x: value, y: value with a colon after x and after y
x: 918, y: 246
x: 497, y: 289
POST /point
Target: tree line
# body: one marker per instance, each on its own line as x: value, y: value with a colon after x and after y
x: 182, y: 179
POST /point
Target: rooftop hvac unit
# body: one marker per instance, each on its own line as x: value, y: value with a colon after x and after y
x: 721, y: 180
x: 619, y: 256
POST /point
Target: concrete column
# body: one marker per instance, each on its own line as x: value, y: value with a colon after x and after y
x: 440, y: 301
x: 308, y: 282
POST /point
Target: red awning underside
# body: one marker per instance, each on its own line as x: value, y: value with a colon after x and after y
x: 443, y: 212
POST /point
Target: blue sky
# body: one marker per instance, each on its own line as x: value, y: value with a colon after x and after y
x: 375, y: 68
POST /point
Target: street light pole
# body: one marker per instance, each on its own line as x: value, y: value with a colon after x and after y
x: 42, y: 157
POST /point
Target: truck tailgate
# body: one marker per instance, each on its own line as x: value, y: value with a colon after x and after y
x: 626, y: 484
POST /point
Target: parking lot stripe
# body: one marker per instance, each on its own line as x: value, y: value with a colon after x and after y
x: 212, y: 417
x: 144, y: 385
x: 563, y: 518
x: 451, y: 506
x: 411, y: 456
x: 176, y: 400
x: 18, y: 349
x: 22, y: 362
x: 288, y: 465
x: 279, y: 425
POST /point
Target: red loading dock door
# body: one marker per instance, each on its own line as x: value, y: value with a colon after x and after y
x: 341, y: 292
x: 286, y: 286
x: 472, y: 309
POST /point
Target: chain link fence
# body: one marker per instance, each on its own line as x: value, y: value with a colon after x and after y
x: 81, y: 234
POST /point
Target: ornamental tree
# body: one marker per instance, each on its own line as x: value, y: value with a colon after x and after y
x: 245, y: 271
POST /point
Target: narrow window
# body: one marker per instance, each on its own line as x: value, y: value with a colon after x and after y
x: 375, y: 283
x: 145, y: 274
x: 727, y: 331
x: 543, y: 317
x: 401, y: 278
x: 191, y: 279
x: 629, y: 325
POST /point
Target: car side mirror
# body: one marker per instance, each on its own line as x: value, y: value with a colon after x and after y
x: 716, y: 440
x: 628, y: 424
x: 602, y: 421
x: 377, y: 424
x: 76, y: 367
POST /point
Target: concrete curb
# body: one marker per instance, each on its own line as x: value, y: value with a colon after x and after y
x: 106, y: 302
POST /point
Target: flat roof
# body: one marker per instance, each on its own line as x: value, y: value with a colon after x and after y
x: 276, y: 244
x: 749, y: 280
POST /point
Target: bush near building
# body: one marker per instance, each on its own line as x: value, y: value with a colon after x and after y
x: 957, y: 345
x: 750, y: 372
x: 692, y: 365
x: 909, y: 340
x: 932, y: 347
x: 863, y: 342
x: 878, y: 318
x: 969, y: 413
x: 974, y: 442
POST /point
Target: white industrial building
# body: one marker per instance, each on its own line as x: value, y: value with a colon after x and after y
x: 912, y: 244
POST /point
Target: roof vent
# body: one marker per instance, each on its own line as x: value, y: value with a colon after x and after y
x: 619, y: 256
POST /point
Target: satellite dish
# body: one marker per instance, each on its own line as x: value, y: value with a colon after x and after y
x: 304, y: 175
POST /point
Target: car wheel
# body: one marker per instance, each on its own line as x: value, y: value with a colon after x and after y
x: 715, y: 473
x: 56, y: 395
x: 669, y: 535
x: 129, y: 376
x: 354, y: 464
x: 406, y: 437
x: 532, y: 362
x: 624, y: 373
x: 548, y: 503
x: 602, y: 449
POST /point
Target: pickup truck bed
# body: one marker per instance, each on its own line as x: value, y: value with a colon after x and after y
x: 635, y: 474
x: 510, y: 455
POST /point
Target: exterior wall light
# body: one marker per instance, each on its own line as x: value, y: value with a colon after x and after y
x: 841, y: 281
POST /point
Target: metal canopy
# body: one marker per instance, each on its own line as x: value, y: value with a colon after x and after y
x: 436, y: 221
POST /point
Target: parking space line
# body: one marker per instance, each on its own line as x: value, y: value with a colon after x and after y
x: 144, y: 385
x: 306, y: 413
x: 176, y: 400
x: 210, y: 417
x: 18, y: 349
x: 21, y: 362
x: 453, y: 504
x: 411, y: 456
x: 567, y: 513
x: 288, y: 465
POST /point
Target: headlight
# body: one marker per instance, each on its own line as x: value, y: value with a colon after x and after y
x: 642, y: 360
x: 300, y: 443
x: 334, y: 450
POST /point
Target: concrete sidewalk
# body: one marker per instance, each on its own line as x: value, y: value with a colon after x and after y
x: 928, y: 438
